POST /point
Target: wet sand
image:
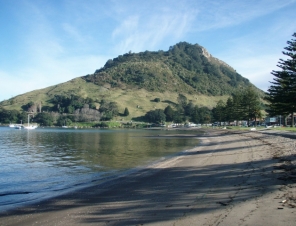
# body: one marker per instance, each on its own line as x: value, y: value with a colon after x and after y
x: 232, y: 178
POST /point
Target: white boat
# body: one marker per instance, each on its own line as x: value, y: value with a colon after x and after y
x: 18, y: 126
x: 64, y: 126
x: 29, y: 126
x: 11, y: 125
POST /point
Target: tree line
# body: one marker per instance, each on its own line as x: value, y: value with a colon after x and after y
x: 280, y: 96
x: 68, y: 110
x: 245, y: 105
x: 183, y: 111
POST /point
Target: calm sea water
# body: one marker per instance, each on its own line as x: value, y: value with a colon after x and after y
x: 42, y: 163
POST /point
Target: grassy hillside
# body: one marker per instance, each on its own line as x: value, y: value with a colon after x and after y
x: 135, y: 80
x: 138, y: 101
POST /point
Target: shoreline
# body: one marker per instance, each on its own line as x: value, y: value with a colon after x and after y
x: 230, y: 178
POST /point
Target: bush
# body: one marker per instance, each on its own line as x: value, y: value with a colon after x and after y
x: 157, y: 99
x: 126, y: 112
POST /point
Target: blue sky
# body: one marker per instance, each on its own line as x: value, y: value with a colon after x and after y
x: 47, y: 42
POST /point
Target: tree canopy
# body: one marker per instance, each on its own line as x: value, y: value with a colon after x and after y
x: 244, y: 105
x: 282, y: 93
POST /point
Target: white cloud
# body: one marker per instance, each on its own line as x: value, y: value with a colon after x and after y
x: 171, y: 21
x: 138, y: 33
x: 218, y: 14
x: 129, y: 25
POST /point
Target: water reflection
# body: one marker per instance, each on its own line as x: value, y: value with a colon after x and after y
x: 106, y: 149
x: 35, y: 162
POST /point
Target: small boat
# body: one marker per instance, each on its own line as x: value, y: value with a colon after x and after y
x: 64, y: 126
x: 29, y: 126
x: 11, y: 125
x: 18, y: 127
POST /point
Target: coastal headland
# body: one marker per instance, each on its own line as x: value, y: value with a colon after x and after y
x: 231, y: 178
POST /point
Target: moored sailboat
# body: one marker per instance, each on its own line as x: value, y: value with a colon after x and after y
x: 30, y: 126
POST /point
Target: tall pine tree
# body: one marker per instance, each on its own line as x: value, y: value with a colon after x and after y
x: 282, y: 93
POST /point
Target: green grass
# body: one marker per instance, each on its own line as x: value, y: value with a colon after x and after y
x: 290, y: 129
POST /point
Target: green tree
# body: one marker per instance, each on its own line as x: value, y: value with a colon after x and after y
x: 178, y: 118
x: 205, y: 115
x: 189, y: 108
x: 238, y: 111
x: 244, y: 105
x: 126, y: 112
x: 22, y: 117
x: 195, y: 115
x: 70, y: 109
x: 156, y: 116
x: 157, y: 99
x: 182, y: 100
x: 282, y: 93
x: 13, y: 115
x: 27, y: 106
x: 251, y: 104
x: 169, y: 113
x: 108, y: 109
x: 179, y: 114
x: 46, y: 119
x: 8, y: 116
x: 219, y: 112
x: 64, y: 121
x: 229, y: 110
x: 106, y: 116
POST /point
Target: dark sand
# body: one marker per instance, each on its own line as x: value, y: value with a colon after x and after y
x: 232, y: 178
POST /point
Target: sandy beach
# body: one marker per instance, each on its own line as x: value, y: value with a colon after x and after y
x: 231, y: 178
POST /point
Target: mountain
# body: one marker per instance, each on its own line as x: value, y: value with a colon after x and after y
x: 134, y: 80
x: 184, y: 68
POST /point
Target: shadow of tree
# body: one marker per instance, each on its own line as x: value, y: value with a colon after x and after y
x: 290, y: 135
x: 169, y: 102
